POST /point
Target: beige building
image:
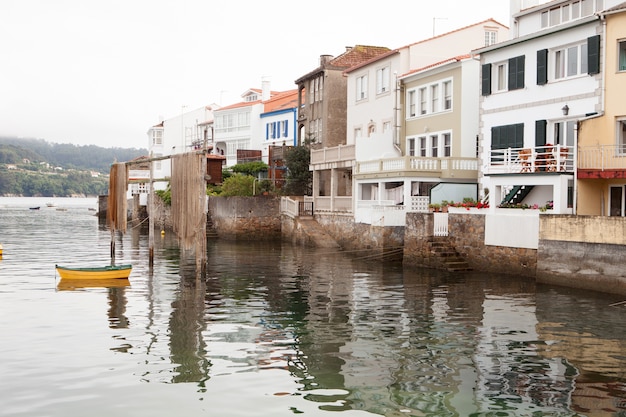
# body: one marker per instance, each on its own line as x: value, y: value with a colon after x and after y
x: 601, y: 173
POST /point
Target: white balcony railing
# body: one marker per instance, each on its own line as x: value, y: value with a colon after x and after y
x: 449, y: 166
x: 333, y: 154
x: 546, y: 158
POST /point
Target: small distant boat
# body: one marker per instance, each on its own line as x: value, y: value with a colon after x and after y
x: 61, y: 209
x: 50, y: 204
x: 95, y: 273
x: 34, y: 208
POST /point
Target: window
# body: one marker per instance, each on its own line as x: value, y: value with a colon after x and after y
x: 361, y: 88
x: 621, y: 136
x: 410, y: 146
x: 157, y: 137
x: 422, y: 97
x: 411, y: 103
x: 429, y: 99
x: 434, y: 98
x: 570, y: 61
x: 447, y: 144
x: 434, y: 145
x: 621, y: 63
x: 491, y: 37
x: 564, y: 133
x: 516, y: 72
x: 357, y: 132
x: 447, y: 95
x: 382, y: 80
x: 570, y: 11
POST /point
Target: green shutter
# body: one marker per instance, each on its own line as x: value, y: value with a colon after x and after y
x: 542, y: 67
x: 540, y: 132
x: 593, y: 54
x: 486, y: 79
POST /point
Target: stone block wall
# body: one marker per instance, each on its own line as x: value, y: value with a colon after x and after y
x: 246, y: 218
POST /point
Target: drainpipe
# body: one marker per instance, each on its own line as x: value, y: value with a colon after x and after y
x: 396, y: 118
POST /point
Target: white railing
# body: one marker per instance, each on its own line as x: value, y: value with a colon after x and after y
x: 419, y: 204
x: 440, y: 224
x: 333, y: 154
x: 289, y: 207
x: 602, y: 157
x: 418, y: 164
x: 546, y: 158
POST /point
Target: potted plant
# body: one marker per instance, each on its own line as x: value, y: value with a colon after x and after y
x: 434, y: 207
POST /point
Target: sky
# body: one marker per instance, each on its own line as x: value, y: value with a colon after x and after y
x: 102, y: 73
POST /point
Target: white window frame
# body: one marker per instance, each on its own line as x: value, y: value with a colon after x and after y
x: 432, y: 98
x: 620, y: 136
x: 361, y: 87
x: 432, y: 145
x: 411, y: 103
x: 491, y: 37
x: 383, y: 81
x: 621, y: 55
x: 569, y: 61
x: 500, y: 76
x: 569, y: 11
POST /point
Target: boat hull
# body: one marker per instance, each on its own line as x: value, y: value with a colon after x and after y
x: 96, y: 273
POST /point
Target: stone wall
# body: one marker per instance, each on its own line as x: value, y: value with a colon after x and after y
x: 466, y: 233
x: 583, y: 252
x: 246, y: 218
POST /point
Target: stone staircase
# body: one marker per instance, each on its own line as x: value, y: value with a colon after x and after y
x: 313, y: 234
x: 211, y: 233
x: 445, y: 256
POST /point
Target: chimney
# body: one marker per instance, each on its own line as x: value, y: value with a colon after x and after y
x: 266, y: 93
x: 325, y: 59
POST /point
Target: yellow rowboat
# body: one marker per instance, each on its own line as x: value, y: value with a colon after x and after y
x: 102, y: 272
x: 77, y: 284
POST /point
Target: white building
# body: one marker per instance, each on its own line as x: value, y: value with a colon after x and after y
x: 534, y: 89
x: 187, y: 131
x: 436, y: 77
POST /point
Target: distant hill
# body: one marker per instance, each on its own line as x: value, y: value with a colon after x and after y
x: 67, y: 156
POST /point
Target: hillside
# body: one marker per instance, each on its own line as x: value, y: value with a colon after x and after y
x: 34, y: 167
x: 67, y: 156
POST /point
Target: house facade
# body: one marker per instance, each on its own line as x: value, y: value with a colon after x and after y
x: 413, y: 117
x: 322, y: 125
x: 601, y: 169
x: 535, y: 88
x: 187, y: 131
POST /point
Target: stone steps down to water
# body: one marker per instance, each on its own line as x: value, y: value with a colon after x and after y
x: 442, y: 250
x: 315, y: 234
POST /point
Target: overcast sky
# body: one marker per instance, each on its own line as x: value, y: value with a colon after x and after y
x: 103, y: 72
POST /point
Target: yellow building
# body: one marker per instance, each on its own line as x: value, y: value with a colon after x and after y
x: 601, y: 169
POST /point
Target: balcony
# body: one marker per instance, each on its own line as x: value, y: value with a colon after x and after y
x: 341, y: 153
x: 602, y: 157
x: 540, y: 159
x: 449, y: 167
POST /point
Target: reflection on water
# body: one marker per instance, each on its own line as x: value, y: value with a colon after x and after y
x: 277, y: 330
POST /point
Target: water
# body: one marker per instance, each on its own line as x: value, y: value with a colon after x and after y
x: 276, y: 331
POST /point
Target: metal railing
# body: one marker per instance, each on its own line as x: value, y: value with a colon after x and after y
x: 602, y: 157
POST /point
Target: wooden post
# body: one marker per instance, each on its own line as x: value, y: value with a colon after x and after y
x: 151, y: 214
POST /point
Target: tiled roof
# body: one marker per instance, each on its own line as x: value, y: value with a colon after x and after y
x: 437, y: 64
x: 353, y: 56
x: 397, y: 50
x: 285, y: 100
x: 357, y: 55
x: 239, y: 105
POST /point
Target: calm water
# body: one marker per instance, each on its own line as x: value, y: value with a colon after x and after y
x: 278, y: 331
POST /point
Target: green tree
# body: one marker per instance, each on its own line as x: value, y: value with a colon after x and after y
x: 238, y: 185
x: 250, y: 168
x: 299, y: 178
